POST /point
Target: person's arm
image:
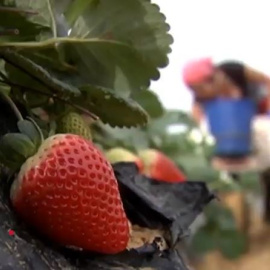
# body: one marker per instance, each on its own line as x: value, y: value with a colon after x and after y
x: 258, y: 77
x: 197, y: 112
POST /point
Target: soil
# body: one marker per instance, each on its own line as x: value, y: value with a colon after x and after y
x: 141, y: 236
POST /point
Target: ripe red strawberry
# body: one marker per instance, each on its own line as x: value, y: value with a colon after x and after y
x: 119, y: 154
x: 67, y: 190
x: 160, y: 167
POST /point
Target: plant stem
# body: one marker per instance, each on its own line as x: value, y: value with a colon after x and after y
x: 53, y: 95
x: 52, y: 128
x: 3, y: 76
x: 17, y: 10
x: 10, y: 101
x: 9, y: 32
x: 52, y: 16
x: 24, y: 70
x: 50, y: 43
x: 6, y: 81
x: 12, y: 105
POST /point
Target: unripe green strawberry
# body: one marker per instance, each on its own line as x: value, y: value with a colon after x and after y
x: 158, y: 166
x: 74, y: 123
x: 66, y: 189
x: 119, y: 154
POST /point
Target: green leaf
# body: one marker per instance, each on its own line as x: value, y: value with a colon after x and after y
x: 176, y: 145
x: 31, y: 18
x: 15, y: 148
x: 138, y: 23
x: 117, y: 44
x: 33, y: 100
x: 226, y: 220
x: 4, y: 89
x: 251, y: 181
x: 29, y: 129
x: 150, y: 102
x: 111, y: 108
x: 38, y: 86
x: 61, y: 6
x: 221, y: 216
x: 11, y: 162
x: 131, y: 39
x: 110, y: 64
x: 133, y: 139
x: 43, y: 125
x: 232, y: 243
x: 204, y: 240
x: 35, y: 72
x: 51, y: 58
x: 75, y: 9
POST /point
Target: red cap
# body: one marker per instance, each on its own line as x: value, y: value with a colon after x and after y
x: 197, y: 70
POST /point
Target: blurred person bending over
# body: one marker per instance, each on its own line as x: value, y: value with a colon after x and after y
x: 229, y: 79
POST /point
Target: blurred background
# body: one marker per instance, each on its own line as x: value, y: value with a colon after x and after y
x: 221, y: 29
x: 231, y: 234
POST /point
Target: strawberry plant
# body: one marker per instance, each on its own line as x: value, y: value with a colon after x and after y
x: 68, y: 70
x: 87, y: 56
x: 219, y: 233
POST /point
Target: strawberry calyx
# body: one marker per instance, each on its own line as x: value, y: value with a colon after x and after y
x: 16, y: 148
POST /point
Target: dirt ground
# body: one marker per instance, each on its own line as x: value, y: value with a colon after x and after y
x: 258, y: 256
